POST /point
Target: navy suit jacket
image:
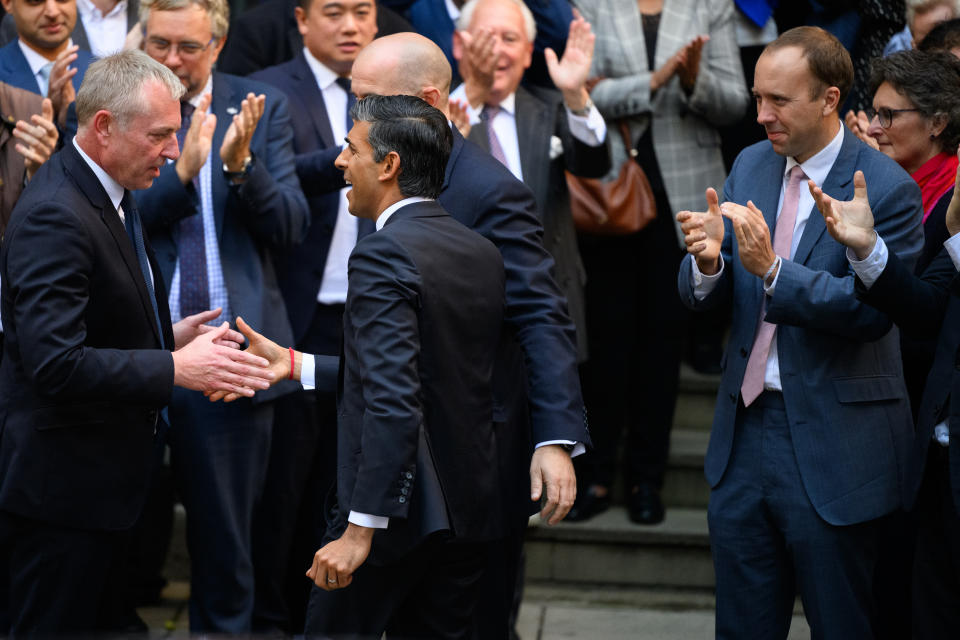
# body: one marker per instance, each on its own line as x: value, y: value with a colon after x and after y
x: 15, y: 70
x: 840, y: 362
x: 301, y: 268
x: 415, y: 421
x: 928, y: 306
x: 83, y: 374
x: 264, y: 215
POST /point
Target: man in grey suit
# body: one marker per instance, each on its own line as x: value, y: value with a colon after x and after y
x: 812, y: 428
x: 536, y: 133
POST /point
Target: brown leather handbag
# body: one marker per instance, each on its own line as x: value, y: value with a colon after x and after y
x: 618, y: 207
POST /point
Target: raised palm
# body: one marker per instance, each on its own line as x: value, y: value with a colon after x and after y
x: 850, y: 222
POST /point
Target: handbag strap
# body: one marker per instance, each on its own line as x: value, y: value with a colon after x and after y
x: 625, y: 133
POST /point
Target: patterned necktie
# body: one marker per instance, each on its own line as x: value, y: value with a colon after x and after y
x: 131, y: 220
x: 488, y: 115
x: 194, y: 285
x: 756, y: 371
x: 44, y: 74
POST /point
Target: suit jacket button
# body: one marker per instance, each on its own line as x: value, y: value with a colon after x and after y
x: 743, y: 352
x: 409, y: 476
x: 733, y: 398
x: 402, y: 499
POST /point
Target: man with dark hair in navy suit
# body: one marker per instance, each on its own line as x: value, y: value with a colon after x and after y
x: 217, y: 216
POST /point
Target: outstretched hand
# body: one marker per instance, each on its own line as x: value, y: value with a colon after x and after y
x: 190, y: 327
x: 277, y: 357
x: 703, y: 233
x: 849, y: 222
x: 204, y: 365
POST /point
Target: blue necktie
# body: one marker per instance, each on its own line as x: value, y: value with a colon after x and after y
x: 131, y: 220
x: 364, y: 226
x: 194, y: 286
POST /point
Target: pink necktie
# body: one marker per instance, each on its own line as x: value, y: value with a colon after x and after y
x: 496, y: 149
x: 756, y: 371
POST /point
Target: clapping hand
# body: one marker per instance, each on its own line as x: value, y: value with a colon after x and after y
x: 753, y: 236
x: 37, y: 141
x: 236, y: 142
x: 859, y: 124
x: 849, y: 222
x: 688, y: 63
x: 703, y: 233
x: 197, y: 141
x: 477, y: 63
x: 570, y: 72
x: 60, y: 83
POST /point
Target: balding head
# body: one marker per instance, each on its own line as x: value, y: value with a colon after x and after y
x: 403, y: 64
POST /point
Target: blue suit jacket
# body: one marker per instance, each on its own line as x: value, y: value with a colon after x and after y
x: 301, y: 268
x: 840, y: 363
x: 265, y: 215
x: 15, y: 70
x: 927, y: 306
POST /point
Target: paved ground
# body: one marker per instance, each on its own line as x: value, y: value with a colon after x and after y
x: 550, y: 613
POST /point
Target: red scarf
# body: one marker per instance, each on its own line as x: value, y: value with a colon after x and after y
x: 935, y: 178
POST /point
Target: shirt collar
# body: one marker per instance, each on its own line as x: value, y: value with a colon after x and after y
x: 34, y: 59
x: 452, y: 10
x: 113, y: 188
x: 509, y: 104
x: 87, y: 8
x: 207, y: 88
x: 324, y: 75
x: 818, y: 166
x: 389, y: 211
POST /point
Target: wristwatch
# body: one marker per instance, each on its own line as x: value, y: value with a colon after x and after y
x: 583, y: 113
x: 238, y: 175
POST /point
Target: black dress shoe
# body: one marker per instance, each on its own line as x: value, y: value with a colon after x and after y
x: 587, y: 505
x: 644, y: 505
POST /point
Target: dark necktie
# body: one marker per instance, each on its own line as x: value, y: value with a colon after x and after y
x: 496, y: 150
x: 364, y: 226
x: 131, y: 220
x: 194, y: 286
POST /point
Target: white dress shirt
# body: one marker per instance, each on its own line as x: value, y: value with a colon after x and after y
x: 589, y: 129
x: 816, y: 168
x: 105, y: 33
x: 333, y: 287
x: 869, y: 270
x: 37, y: 62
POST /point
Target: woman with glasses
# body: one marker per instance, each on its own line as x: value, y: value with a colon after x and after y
x: 915, y: 119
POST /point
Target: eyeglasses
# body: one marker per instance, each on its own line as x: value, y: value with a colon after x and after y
x: 160, y: 48
x: 886, y: 115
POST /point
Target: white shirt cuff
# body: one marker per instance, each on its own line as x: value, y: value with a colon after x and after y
x: 578, y: 447
x: 307, y: 370
x: 368, y: 521
x: 870, y: 268
x: 590, y: 129
x: 770, y: 288
x: 953, y: 248
x: 702, y: 283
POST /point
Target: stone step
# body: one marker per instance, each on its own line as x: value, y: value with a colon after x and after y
x: 696, y: 398
x: 684, y: 484
x: 611, y: 550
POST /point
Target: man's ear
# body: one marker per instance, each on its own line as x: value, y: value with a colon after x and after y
x: 831, y: 100
x: 430, y: 95
x: 301, y: 17
x: 103, y: 124
x: 390, y: 167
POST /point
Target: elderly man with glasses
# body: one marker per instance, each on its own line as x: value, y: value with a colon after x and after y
x: 217, y: 216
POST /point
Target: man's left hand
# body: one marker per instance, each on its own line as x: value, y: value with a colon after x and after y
x: 37, y: 141
x: 753, y: 236
x: 60, y: 83
x: 334, y: 564
x: 569, y: 74
x: 236, y: 143
x: 552, y: 467
x: 192, y: 326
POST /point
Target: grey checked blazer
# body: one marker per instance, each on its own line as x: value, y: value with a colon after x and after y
x: 685, y: 138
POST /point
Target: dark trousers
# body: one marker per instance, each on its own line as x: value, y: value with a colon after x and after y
x: 501, y: 588
x: 289, y: 523
x: 768, y: 541
x: 59, y: 580
x: 430, y: 593
x: 635, y: 325
x: 220, y: 453
x: 936, y: 568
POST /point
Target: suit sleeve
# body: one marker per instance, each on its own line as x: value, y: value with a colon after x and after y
x: 273, y: 205
x: 383, y: 304
x: 317, y: 172
x: 50, y: 297
x: 582, y: 159
x: 535, y: 309
x: 915, y: 304
x: 826, y: 302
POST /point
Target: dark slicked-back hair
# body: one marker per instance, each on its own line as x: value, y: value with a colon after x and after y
x: 930, y: 80
x: 943, y: 37
x: 828, y: 60
x: 417, y: 132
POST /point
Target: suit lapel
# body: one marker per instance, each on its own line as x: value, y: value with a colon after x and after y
x: 312, y: 97
x: 95, y: 193
x: 455, y: 151
x: 535, y: 126
x: 17, y: 69
x: 836, y: 185
x: 223, y: 99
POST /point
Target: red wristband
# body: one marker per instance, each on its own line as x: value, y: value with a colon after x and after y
x: 291, y: 362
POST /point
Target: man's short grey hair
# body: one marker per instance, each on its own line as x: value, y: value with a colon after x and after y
x: 922, y: 6
x: 218, y: 10
x: 466, y: 15
x: 115, y: 84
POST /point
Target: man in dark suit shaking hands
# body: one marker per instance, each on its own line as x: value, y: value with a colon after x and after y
x: 87, y: 360
x: 417, y: 481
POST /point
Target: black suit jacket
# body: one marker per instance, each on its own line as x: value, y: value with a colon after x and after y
x: 300, y: 269
x: 267, y: 35
x: 540, y: 115
x: 927, y: 306
x: 83, y: 375
x: 416, y: 440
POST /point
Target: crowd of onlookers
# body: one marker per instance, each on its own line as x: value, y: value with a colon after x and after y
x: 251, y: 219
